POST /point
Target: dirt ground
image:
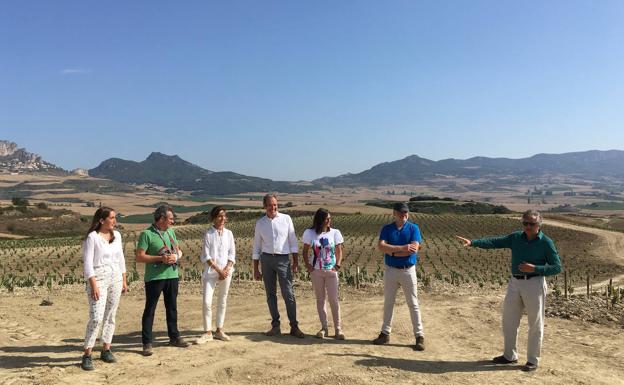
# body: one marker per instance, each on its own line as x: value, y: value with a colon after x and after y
x: 42, y: 344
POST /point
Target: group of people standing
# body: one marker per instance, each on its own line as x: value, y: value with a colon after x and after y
x: 533, y: 257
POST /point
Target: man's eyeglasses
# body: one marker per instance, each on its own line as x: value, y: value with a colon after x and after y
x: 527, y: 224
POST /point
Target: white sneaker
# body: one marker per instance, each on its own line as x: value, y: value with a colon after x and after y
x: 321, y: 333
x: 204, y: 338
x: 220, y: 335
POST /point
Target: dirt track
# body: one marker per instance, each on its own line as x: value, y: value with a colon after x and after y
x: 612, y: 248
x: 43, y: 344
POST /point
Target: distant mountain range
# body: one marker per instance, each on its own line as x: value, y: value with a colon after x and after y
x: 588, y: 165
x: 174, y: 172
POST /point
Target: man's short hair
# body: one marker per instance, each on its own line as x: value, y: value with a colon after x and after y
x: 265, y: 199
x: 161, y: 212
x: 530, y: 214
x: 401, y: 207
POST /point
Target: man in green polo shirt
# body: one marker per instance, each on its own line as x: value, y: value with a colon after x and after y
x: 158, y: 249
x: 533, y: 257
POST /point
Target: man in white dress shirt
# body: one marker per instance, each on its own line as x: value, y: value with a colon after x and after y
x: 274, y: 241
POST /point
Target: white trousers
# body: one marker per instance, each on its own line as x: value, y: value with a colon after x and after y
x: 529, y: 295
x: 406, y: 279
x: 210, y: 282
x: 102, y: 312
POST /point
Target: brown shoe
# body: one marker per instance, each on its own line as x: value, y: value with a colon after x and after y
x: 382, y: 339
x: 179, y: 343
x: 296, y: 332
x: 147, y: 350
x: 420, y: 344
x: 275, y: 331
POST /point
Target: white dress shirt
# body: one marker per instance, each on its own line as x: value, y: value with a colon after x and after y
x: 274, y: 236
x: 98, y: 252
x: 218, y: 247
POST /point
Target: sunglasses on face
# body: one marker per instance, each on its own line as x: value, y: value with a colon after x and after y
x: 529, y: 224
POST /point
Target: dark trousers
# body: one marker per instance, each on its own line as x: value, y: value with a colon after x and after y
x: 277, y: 268
x: 169, y: 288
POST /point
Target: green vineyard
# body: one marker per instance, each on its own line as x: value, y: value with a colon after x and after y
x: 43, y: 262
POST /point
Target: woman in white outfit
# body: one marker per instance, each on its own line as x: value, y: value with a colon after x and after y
x: 105, y: 273
x: 218, y: 257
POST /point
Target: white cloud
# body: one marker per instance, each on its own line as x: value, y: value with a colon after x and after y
x: 75, y: 71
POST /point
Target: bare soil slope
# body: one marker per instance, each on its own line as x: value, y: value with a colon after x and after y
x: 611, y: 249
x: 43, y: 345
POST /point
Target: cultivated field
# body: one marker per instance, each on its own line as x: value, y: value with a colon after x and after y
x: 73, y: 192
x: 41, y: 262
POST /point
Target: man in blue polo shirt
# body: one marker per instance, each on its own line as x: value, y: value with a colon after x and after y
x: 400, y: 241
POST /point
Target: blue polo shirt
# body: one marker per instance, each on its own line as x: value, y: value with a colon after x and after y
x: 393, y: 236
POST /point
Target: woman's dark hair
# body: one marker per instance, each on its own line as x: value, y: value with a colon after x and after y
x: 101, y: 214
x: 214, y: 213
x: 319, y: 218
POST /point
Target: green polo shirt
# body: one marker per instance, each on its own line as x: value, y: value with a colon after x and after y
x: 152, y: 243
x: 540, y: 251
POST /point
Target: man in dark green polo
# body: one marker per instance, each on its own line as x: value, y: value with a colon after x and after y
x: 533, y: 257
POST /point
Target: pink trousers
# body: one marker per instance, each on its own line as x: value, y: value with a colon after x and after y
x: 325, y: 283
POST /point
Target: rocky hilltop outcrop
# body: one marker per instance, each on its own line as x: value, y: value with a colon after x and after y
x: 80, y: 172
x: 14, y: 159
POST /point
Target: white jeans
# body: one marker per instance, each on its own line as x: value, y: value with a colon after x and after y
x: 102, y: 312
x: 393, y: 279
x: 529, y: 295
x: 210, y: 281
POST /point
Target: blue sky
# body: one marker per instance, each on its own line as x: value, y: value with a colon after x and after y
x: 295, y: 90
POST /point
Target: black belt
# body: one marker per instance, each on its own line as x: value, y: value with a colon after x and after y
x: 275, y: 255
x: 404, y: 267
x: 523, y: 276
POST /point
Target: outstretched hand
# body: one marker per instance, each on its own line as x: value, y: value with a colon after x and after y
x: 465, y: 241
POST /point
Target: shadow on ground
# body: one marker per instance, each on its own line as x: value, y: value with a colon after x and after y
x: 68, y: 353
x: 427, y: 366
